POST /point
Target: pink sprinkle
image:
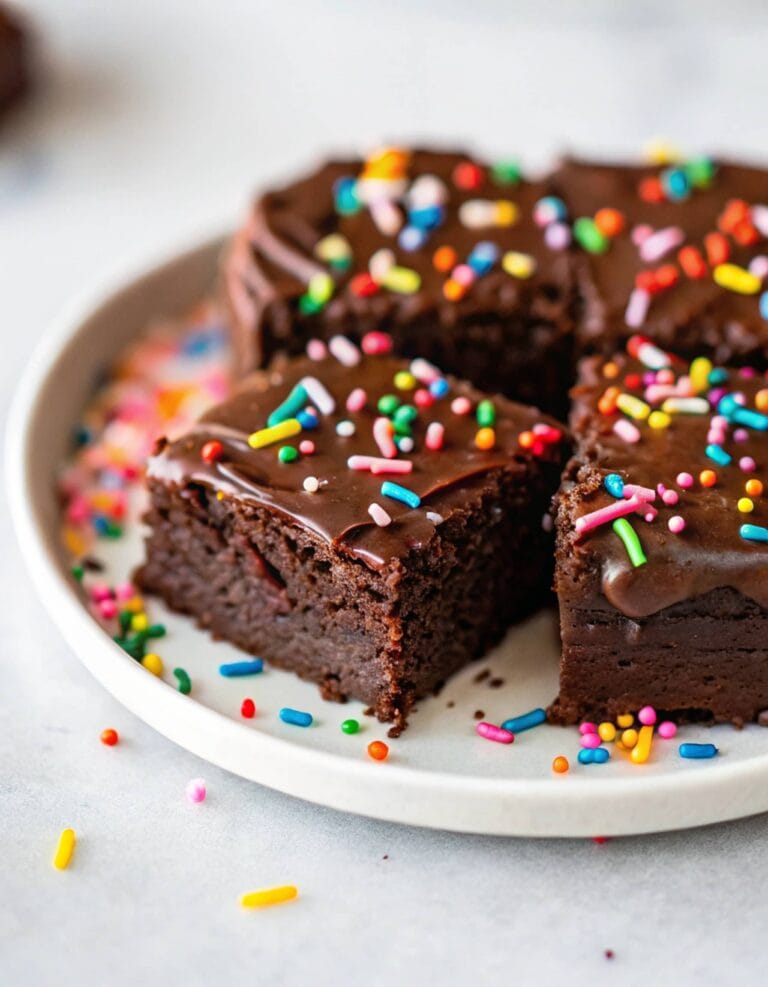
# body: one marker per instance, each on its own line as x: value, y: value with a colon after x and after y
x: 747, y: 372
x: 379, y: 465
x: 642, y: 493
x: 647, y: 716
x: 684, y: 480
x: 626, y: 431
x: 100, y: 592
x: 379, y: 515
x: 108, y: 609
x: 637, y: 308
x: 316, y: 349
x: 383, y: 430
x: 656, y: 393
x: 670, y: 497
x: 306, y: 447
x: 655, y: 246
x: 461, y: 406
x: 492, y: 732
x: 344, y: 350
x: 747, y: 464
x: 125, y: 591
x: 603, y: 515
x: 587, y: 727
x: 557, y: 236
x: 667, y: 730
x: 434, y: 437
x: 759, y: 266
x: 195, y: 790
x: 590, y: 740
x: 741, y: 435
x: 676, y: 524
x: 422, y: 398
x: 376, y: 343
x: 464, y: 274
x: 719, y: 421
x: 665, y: 375
x: 356, y: 400
x: 424, y: 371
x: 716, y: 436
x: 648, y: 513
x: 640, y: 233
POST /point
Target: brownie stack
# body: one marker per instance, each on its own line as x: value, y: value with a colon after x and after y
x: 358, y: 514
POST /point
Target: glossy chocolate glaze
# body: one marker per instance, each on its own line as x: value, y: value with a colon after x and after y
x: 709, y: 553
x: 695, y: 314
x: 271, y: 258
x: 338, y: 512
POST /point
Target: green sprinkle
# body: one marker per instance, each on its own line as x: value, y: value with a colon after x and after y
x: 388, y: 404
x: 340, y: 263
x: 287, y: 454
x: 350, y: 726
x: 406, y: 414
x: 627, y: 533
x: 124, y: 618
x: 320, y: 288
x: 402, y: 428
x: 185, y: 683
x: 77, y: 572
x: 486, y: 414
x: 308, y: 305
x: 506, y: 173
x: 155, y: 630
x: 700, y: 172
x: 589, y: 236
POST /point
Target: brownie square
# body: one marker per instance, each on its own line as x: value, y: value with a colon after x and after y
x: 667, y: 606
x: 661, y: 243
x: 392, y: 535
x: 433, y: 247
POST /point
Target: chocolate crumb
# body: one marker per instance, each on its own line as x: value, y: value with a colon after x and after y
x: 495, y: 683
x: 450, y: 704
x: 479, y: 714
x: 395, y: 731
x: 482, y: 676
x: 385, y: 857
x: 609, y: 954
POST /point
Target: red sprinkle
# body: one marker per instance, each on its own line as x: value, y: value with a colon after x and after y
x: 651, y: 190
x: 363, y: 285
x: 376, y: 343
x: 378, y: 750
x: 248, y: 709
x: 717, y: 247
x: 467, y: 176
x: 211, y: 451
x: 109, y: 737
x: 692, y: 263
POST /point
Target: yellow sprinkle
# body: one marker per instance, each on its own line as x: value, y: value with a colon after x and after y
x: 74, y: 542
x: 275, y: 433
x: 320, y: 287
x: 642, y: 749
x: 219, y: 495
x: 269, y: 896
x: 153, y: 663
x: 745, y: 505
x: 699, y: 373
x: 625, y: 720
x: 64, y: 849
x: 659, y: 419
x: 402, y: 280
x: 737, y: 279
x: 629, y: 737
x: 134, y: 605
x: 404, y: 381
x: 517, y: 264
x: 333, y: 247
x: 633, y: 406
x: 139, y: 622
x: 506, y: 212
x: 661, y: 152
x: 607, y: 732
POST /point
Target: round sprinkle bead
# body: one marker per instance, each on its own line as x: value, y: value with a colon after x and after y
x: 753, y: 488
x: 747, y: 464
x: 376, y: 343
x: 153, y: 663
x: 195, y: 790
x: 560, y: 765
x: 486, y: 414
x: 311, y: 484
x: 629, y: 737
x: 287, y: 454
x: 587, y: 727
x: 707, y: 478
x: 444, y: 259
x: 676, y: 524
x: 761, y: 398
x: 607, y: 732
x: 350, y: 726
x: 345, y: 429
x: 109, y: 737
x: 211, y: 451
x: 684, y: 481
x: 485, y: 438
x: 647, y: 716
x: 404, y: 381
x: 667, y: 730
x: 248, y: 709
x: 306, y: 447
x: 625, y: 720
x: 378, y: 750
x: 388, y: 404
x: 745, y: 505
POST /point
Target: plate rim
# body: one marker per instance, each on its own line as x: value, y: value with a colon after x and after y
x: 540, y: 807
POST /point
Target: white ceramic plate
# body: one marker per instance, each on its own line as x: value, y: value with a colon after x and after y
x: 439, y: 772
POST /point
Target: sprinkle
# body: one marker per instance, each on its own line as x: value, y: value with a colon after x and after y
x: 588, y: 236
x: 64, y: 849
x: 379, y: 515
x: 272, y: 896
x: 318, y: 395
x: 517, y: 724
x: 287, y: 454
x: 684, y: 481
x: 320, y: 288
x: 753, y: 532
x: 402, y: 494
x: 248, y: 709
x: 626, y: 431
x: 195, y: 790
x: 686, y: 406
x: 697, y: 751
x: 692, y: 263
x: 184, y: 681
x: 424, y: 371
x: 439, y: 388
x: 607, y: 732
x: 646, y: 494
x: 647, y: 716
x: 492, y: 732
x: 345, y: 351
x: 590, y: 740
x: 485, y: 413
x: 275, y: 433
x: 295, y: 717
x: 444, y: 259
x: 731, y: 408
x: 718, y: 455
x: 610, y: 222
x: 433, y: 439
x: 434, y: 517
x: 587, y: 727
x: 627, y: 533
x: 518, y: 265
x: 667, y: 730
x: 598, y: 755
x: 614, y: 484
x: 307, y: 447
x: 383, y: 430
x: 549, y: 210
x: 479, y: 213
x: 625, y: 720
x: 307, y: 419
x: 402, y: 280
x: 345, y: 428
x: 745, y: 505
x: 376, y: 343
x: 659, y: 420
x: 587, y: 522
x: 754, y: 488
x: 211, y: 451
x: 334, y: 249
x: 647, y: 353
x: 485, y: 438
x: 405, y: 444
x: 461, y: 406
x: 290, y: 407
x: 747, y: 464
x: 236, y: 669
x: 350, y: 726
x: 737, y: 279
x: 109, y: 737
x: 311, y: 484
x: 707, y: 478
x: 316, y: 350
x: 629, y: 738
x: 642, y: 749
x: 378, y: 750
x: 560, y: 765
x: 404, y: 381
x: 676, y: 524
x: 153, y: 663
x: 655, y: 246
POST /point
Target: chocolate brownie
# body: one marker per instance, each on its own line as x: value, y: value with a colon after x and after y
x: 676, y: 252
x: 14, y: 67
x: 367, y: 523
x: 464, y: 264
x: 662, y: 540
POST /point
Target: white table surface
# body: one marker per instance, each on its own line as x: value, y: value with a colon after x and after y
x: 160, y: 117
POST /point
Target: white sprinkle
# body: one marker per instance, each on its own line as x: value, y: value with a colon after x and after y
x: 627, y: 431
x: 427, y: 190
x: 318, y: 394
x: 345, y: 428
x: 424, y: 371
x: 380, y: 264
x: 311, y: 484
x: 435, y: 518
x: 379, y: 515
x: 345, y: 351
x: 386, y: 216
x: 637, y: 308
x: 686, y: 406
x: 759, y: 266
x: 655, y: 246
x: 760, y: 218
x: 405, y: 444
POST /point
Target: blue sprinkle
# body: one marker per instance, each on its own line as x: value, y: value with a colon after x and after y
x: 697, y: 751
x: 403, y: 494
x: 593, y: 755
x: 235, y: 669
x: 100, y: 525
x: 556, y: 207
x: 675, y: 183
x: 427, y: 217
x: 718, y: 454
x: 345, y: 196
x: 753, y: 532
x: 717, y: 376
x: 525, y: 722
x: 411, y: 238
x: 764, y: 305
x: 750, y: 419
x: 439, y: 388
x: 295, y: 717
x: 614, y: 484
x: 307, y: 420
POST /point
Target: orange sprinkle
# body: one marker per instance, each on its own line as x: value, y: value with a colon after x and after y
x: 707, y: 478
x: 666, y: 275
x: 745, y: 234
x: 453, y: 291
x: 650, y: 190
x: 444, y: 259
x: 692, y: 262
x: 761, y: 399
x: 526, y: 440
x: 610, y: 370
x: 753, y: 487
x: 378, y: 750
x: 560, y: 765
x: 607, y: 403
x: 485, y: 438
x: 735, y: 212
x: 610, y: 222
x: 717, y: 247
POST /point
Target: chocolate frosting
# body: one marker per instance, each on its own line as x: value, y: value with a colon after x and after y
x: 709, y: 553
x: 445, y: 479
x: 695, y: 314
x: 271, y: 259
